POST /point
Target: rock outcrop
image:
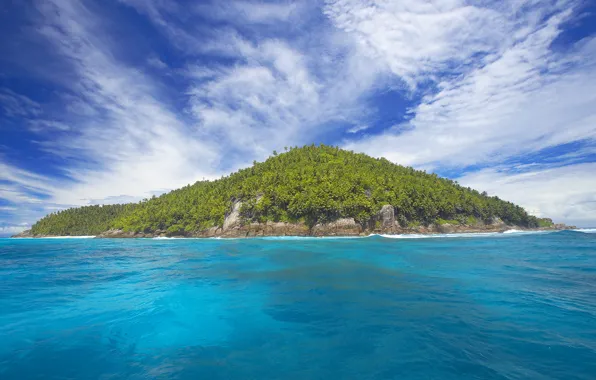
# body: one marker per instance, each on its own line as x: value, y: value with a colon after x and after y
x: 120, y: 234
x: 384, y: 221
x: 24, y: 234
x: 240, y: 229
x: 497, y: 223
x: 387, y: 217
x: 233, y: 219
x: 563, y: 226
x: 340, y: 227
x: 446, y: 228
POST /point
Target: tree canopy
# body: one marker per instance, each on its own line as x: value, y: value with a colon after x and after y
x: 87, y: 220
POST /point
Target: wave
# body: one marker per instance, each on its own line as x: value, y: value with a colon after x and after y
x: 522, y: 232
x: 68, y: 237
x: 309, y: 237
x: 586, y: 230
x: 412, y: 236
x: 438, y: 236
x: 461, y: 235
x: 512, y: 232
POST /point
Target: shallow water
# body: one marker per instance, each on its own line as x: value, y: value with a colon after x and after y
x: 500, y: 306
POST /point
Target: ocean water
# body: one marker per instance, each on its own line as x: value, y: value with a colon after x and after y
x: 493, y: 306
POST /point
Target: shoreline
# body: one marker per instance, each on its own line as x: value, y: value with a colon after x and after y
x: 430, y: 233
x: 384, y: 223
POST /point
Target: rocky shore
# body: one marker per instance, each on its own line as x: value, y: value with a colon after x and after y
x: 384, y: 222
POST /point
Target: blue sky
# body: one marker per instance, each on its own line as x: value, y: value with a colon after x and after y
x: 113, y: 101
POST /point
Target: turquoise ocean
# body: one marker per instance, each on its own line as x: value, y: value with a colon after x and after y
x: 487, y: 306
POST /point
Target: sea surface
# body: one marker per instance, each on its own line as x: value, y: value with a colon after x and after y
x: 492, y: 306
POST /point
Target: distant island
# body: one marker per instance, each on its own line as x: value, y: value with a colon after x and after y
x: 307, y: 191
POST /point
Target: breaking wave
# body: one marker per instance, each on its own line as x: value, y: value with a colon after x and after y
x: 69, y: 237
x: 462, y: 235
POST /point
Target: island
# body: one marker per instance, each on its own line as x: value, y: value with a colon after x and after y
x: 315, y: 190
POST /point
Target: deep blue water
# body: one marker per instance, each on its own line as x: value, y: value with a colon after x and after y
x: 487, y: 307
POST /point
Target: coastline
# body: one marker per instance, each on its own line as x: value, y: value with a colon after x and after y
x: 383, y: 223
x: 263, y: 231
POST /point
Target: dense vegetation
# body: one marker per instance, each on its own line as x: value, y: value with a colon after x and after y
x: 87, y: 220
x: 311, y: 184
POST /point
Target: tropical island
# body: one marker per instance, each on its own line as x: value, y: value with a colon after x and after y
x: 308, y: 191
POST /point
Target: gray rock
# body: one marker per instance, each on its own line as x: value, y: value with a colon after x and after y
x: 233, y: 218
x: 24, y: 234
x: 497, y: 222
x: 115, y: 233
x: 446, y: 228
x: 340, y: 227
x: 387, y: 217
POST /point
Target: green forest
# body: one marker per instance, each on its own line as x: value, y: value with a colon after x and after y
x: 313, y: 184
x: 80, y: 221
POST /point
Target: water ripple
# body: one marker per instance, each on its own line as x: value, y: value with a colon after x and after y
x: 513, y: 306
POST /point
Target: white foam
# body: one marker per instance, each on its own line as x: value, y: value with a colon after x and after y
x: 396, y: 236
x: 439, y: 236
x: 462, y: 235
x: 586, y: 230
x: 69, y: 237
x: 308, y: 237
x: 531, y: 232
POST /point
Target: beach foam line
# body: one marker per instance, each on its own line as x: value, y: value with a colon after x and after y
x: 387, y: 236
x: 439, y: 236
x: 307, y: 237
x: 462, y: 235
x: 68, y: 237
x: 522, y: 232
x: 586, y: 230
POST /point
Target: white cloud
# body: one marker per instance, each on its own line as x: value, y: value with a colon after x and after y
x: 565, y: 194
x: 275, y: 95
x: 28, y: 195
x: 415, y: 38
x: 136, y: 144
x: 156, y: 63
x: 275, y: 92
x: 15, y: 105
x: 520, y: 98
x: 271, y: 93
x: 165, y: 14
x: 256, y: 12
x: 11, y: 230
x: 358, y: 128
x: 40, y: 125
x: 265, y: 12
x: 27, y: 180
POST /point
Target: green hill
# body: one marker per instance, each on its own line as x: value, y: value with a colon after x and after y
x: 81, y: 221
x: 312, y: 184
